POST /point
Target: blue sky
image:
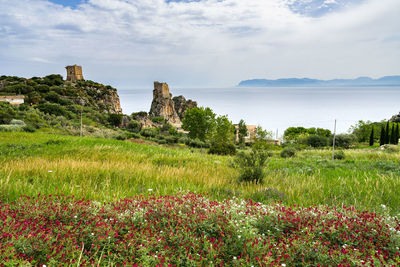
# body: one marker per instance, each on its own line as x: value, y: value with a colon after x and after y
x: 130, y: 43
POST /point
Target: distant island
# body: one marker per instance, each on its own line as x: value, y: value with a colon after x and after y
x: 300, y: 82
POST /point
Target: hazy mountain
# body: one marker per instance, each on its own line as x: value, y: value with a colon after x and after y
x: 293, y: 82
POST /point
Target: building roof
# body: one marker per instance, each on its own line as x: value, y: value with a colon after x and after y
x: 12, y: 97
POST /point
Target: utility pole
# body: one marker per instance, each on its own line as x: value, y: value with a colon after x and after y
x: 81, y: 120
x: 276, y: 134
x: 334, y: 139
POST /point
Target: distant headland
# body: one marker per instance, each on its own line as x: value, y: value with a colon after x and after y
x: 301, y: 82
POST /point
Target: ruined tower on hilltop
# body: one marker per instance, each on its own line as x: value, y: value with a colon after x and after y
x: 74, y: 73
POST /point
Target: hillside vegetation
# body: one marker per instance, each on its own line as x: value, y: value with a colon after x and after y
x: 108, y: 170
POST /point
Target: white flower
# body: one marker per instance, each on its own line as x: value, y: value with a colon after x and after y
x: 149, y: 189
x: 92, y: 233
x: 239, y: 236
x: 48, y: 171
x: 75, y: 216
x: 234, y: 258
x: 383, y: 206
x: 283, y: 264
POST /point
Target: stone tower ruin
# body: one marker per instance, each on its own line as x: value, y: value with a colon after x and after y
x: 163, y: 105
x: 74, y: 73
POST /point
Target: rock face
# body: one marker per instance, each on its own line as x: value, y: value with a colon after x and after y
x: 181, y: 105
x: 163, y: 105
x: 105, y: 97
x: 395, y: 118
x: 143, y: 119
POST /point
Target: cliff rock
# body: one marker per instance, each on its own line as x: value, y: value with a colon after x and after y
x: 395, y: 118
x: 181, y: 105
x: 143, y: 118
x: 104, y: 97
x: 163, y: 105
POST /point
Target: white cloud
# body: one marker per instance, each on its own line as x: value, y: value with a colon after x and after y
x: 210, y: 42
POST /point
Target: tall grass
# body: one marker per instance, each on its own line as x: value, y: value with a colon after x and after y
x: 107, y: 170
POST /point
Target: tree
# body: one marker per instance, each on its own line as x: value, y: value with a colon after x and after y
x: 393, y: 136
x: 371, y: 137
x: 397, y: 134
x: 387, y: 134
x: 115, y: 119
x: 383, y: 136
x: 242, y: 131
x: 199, y: 122
x: 222, y: 137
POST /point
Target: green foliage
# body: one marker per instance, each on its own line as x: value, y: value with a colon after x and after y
x: 222, y: 137
x: 149, y: 132
x: 371, y: 137
x: 242, y: 131
x: 199, y: 122
x: 344, y: 140
x: 222, y: 148
x: 296, y: 134
x: 317, y: 141
x: 382, y: 136
x: 54, y: 109
x: 134, y: 126
x: 251, y: 165
x: 7, y: 112
x: 29, y: 129
x: 288, y: 152
x: 115, y: 119
x: 158, y: 119
x: 339, y: 155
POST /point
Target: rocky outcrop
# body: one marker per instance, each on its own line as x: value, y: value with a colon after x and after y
x: 395, y: 118
x: 104, y: 97
x: 143, y: 118
x: 163, y: 105
x: 181, y: 105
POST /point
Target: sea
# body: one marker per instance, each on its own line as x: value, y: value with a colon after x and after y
x: 277, y: 108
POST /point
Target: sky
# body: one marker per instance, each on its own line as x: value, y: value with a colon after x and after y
x: 202, y: 43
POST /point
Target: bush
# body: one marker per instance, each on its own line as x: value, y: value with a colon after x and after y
x: 251, y: 165
x: 222, y: 149
x: 158, y: 119
x: 196, y: 143
x: 344, y: 140
x: 317, y: 141
x: 171, y: 139
x: 149, y: 132
x: 134, y: 126
x: 53, y: 108
x: 288, y: 152
x: 29, y: 129
x: 115, y: 119
x: 339, y: 155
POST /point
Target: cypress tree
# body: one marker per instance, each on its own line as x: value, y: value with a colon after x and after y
x: 383, y: 136
x: 371, y: 137
x: 393, y: 136
x: 387, y: 134
x: 397, y: 134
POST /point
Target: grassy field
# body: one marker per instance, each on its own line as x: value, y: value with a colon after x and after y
x: 108, y: 170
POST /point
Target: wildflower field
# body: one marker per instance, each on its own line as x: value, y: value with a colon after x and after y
x: 69, y: 200
x: 191, y: 230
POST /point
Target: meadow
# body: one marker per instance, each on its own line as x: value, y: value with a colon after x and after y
x: 110, y: 170
x: 69, y: 200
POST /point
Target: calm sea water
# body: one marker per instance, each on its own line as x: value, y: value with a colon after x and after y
x: 280, y: 108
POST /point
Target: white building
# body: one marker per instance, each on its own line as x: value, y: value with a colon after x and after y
x: 13, y: 100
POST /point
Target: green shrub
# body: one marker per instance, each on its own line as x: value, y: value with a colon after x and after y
x: 288, y: 152
x: 317, y: 141
x: 222, y: 148
x: 251, y: 165
x: 339, y: 155
x: 115, y: 119
x: 171, y: 139
x: 149, y: 132
x: 134, y: 126
x: 344, y: 140
x: 158, y: 119
x: 29, y: 129
x: 196, y: 143
x: 53, y: 108
x: 162, y: 142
